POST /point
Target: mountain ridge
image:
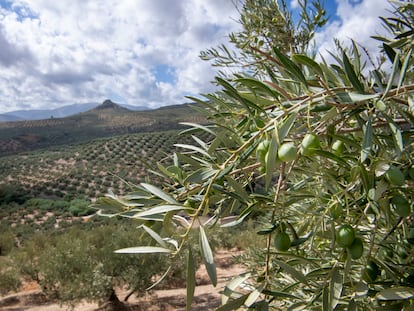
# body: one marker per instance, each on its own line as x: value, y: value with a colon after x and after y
x: 105, y: 120
x: 61, y: 112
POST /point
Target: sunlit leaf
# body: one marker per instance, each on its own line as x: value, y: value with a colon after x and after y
x: 396, y: 293
x: 232, y: 285
x: 251, y: 299
x: 200, y: 175
x: 160, y: 210
x: 154, y: 235
x: 194, y: 148
x: 160, y: 279
x: 395, y: 71
x: 159, y: 193
x: 271, y: 161
x: 233, y: 304
x: 208, y: 258
x: 143, y: 250
x: 367, y: 140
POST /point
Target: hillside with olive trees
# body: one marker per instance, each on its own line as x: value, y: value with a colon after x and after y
x: 106, y: 120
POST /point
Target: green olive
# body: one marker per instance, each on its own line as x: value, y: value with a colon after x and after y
x: 356, y: 249
x: 310, y: 144
x: 287, y: 152
x: 262, y: 150
x: 282, y: 241
x: 401, y: 206
x: 338, y: 147
x: 345, y: 235
x: 395, y: 176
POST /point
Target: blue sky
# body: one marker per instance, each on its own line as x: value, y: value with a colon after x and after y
x: 139, y: 52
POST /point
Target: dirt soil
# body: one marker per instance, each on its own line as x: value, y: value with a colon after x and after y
x: 206, y: 296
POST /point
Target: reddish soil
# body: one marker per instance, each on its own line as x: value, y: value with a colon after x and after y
x: 206, y: 296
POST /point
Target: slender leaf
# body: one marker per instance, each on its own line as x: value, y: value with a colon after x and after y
x: 396, y: 135
x: 159, y: 193
x: 352, y: 97
x: 277, y: 294
x: 208, y: 258
x: 198, y: 126
x: 352, y: 76
x: 259, y: 85
x: 390, y: 52
x: 305, y: 60
x: 160, y: 210
x: 143, y: 250
x: 251, y: 299
x: 395, y: 71
x: 335, y: 288
x: 200, y: 175
x: 290, y: 66
x: 333, y: 157
x: 188, y: 160
x: 154, y: 235
x: 292, y: 271
x: 396, y: 293
x: 283, y: 130
x: 191, y: 279
x: 194, y: 148
x: 238, y: 188
x: 404, y: 68
x: 271, y: 159
x: 232, y: 285
x: 234, y: 304
x: 367, y: 140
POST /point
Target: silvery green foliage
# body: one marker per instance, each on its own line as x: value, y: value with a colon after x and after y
x: 353, y: 130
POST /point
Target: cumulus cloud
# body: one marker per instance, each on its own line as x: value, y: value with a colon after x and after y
x: 54, y: 53
x: 57, y: 52
x: 357, y: 20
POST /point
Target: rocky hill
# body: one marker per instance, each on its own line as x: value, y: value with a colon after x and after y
x: 105, y: 120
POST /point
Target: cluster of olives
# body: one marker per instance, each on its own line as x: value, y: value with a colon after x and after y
x: 346, y: 237
x: 287, y: 151
x: 396, y: 177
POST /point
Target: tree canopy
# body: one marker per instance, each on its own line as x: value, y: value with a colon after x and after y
x: 318, y: 154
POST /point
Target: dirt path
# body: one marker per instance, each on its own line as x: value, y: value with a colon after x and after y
x: 206, y: 296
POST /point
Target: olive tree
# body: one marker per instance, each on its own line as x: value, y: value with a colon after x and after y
x: 320, y: 156
x: 80, y: 264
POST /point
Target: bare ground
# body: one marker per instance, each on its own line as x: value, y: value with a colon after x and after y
x: 206, y: 296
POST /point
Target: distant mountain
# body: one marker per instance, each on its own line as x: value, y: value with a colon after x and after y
x: 108, y: 104
x: 105, y: 120
x: 9, y: 118
x: 62, y: 112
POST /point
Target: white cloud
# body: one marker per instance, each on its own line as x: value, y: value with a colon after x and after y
x: 357, y: 20
x: 57, y: 52
x: 54, y: 53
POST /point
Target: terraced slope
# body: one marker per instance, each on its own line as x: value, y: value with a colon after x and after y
x: 89, y: 169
